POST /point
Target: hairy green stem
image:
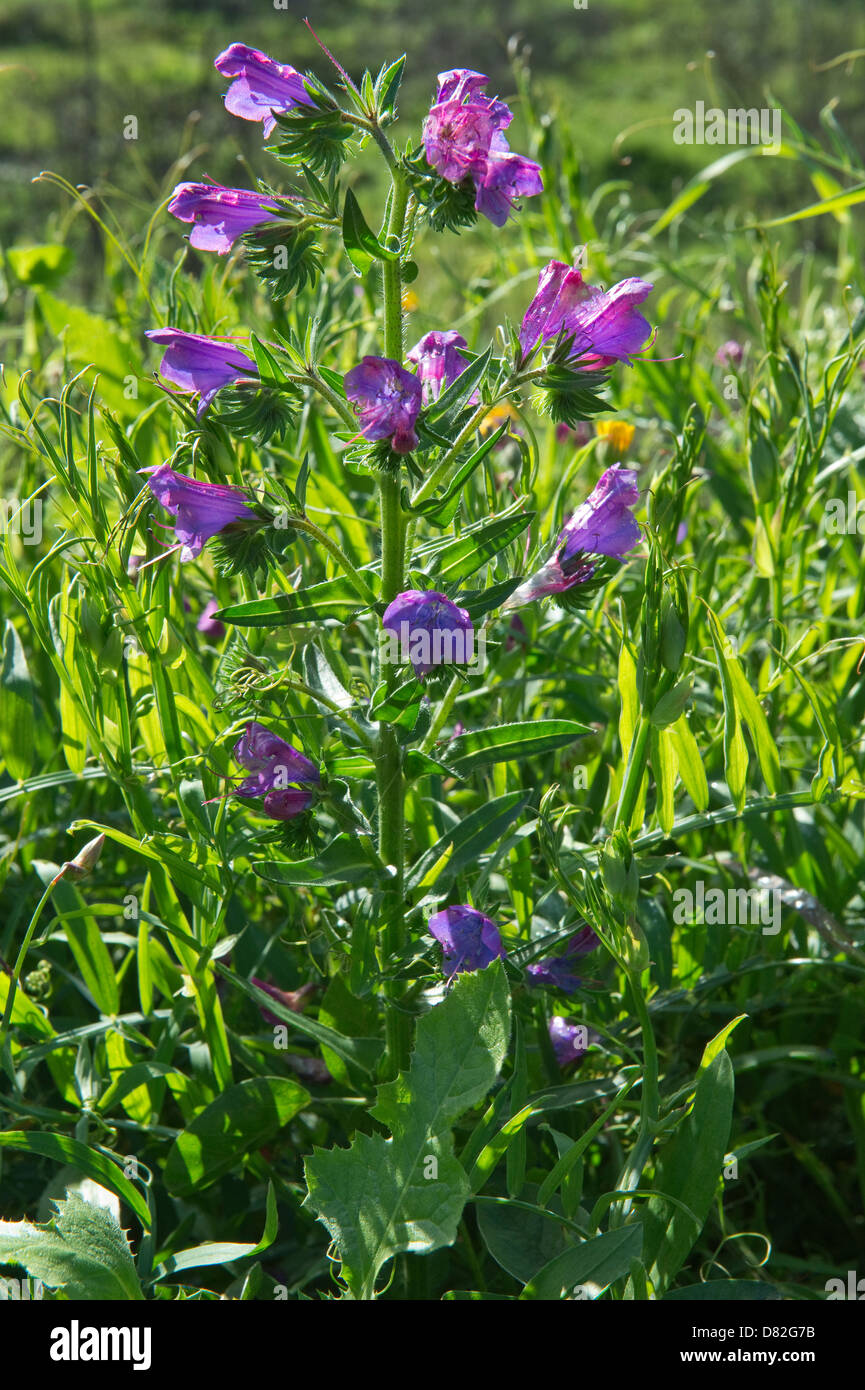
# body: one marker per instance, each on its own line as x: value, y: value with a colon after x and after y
x: 361, y: 586
x: 389, y: 773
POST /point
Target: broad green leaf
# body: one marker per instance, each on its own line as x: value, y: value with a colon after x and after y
x: 321, y: 678
x: 521, y: 1241
x: 741, y: 702
x: 82, y: 1251
x: 508, y: 742
x: 44, y: 266
x: 671, y: 706
x: 591, y: 1267
x: 665, y: 768
x: 689, y: 1168
x: 735, y: 752
x: 238, y: 1122
x: 406, y: 1193
x: 719, y: 1042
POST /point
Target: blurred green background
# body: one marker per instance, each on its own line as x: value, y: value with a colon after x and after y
x: 71, y: 72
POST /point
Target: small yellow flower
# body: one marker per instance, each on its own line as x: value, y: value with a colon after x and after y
x: 410, y: 300
x: 497, y: 416
x: 617, y: 434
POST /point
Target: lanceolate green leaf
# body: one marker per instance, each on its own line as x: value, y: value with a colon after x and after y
x: 457, y: 560
x: 382, y: 1196
x: 333, y: 598
x: 505, y: 742
x: 589, y: 1268
x: 238, y: 1122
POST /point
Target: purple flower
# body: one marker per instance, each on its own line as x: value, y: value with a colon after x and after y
x: 428, y: 629
x: 201, y: 365
x: 261, y: 86
x: 730, y: 354
x: 604, y: 324
x: 558, y: 970
x: 201, y: 510
x: 294, y: 999
x: 507, y: 177
x: 602, y: 525
x: 582, y: 943
x: 517, y: 634
x: 464, y: 84
x: 570, y: 1041
x: 463, y: 138
x: 278, y: 772
x: 469, y: 940
x: 387, y: 399
x: 220, y: 215
x: 439, y: 361
x: 210, y: 626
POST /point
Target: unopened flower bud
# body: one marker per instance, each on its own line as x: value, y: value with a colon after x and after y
x: 85, y: 860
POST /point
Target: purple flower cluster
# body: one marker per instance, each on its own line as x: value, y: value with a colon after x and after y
x: 604, y: 324
x: 469, y: 940
x: 278, y: 773
x: 557, y: 971
x: 428, y: 629
x: 387, y: 399
x: 463, y: 137
x: 602, y: 525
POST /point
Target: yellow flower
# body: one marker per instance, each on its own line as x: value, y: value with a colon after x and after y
x: 617, y: 434
x: 410, y: 300
x: 497, y: 416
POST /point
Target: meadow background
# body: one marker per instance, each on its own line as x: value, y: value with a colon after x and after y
x: 86, y: 745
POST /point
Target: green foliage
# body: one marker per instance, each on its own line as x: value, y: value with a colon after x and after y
x: 407, y: 1192
x: 688, y: 716
x: 81, y: 1252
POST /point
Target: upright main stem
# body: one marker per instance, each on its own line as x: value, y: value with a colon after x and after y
x: 389, y: 775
